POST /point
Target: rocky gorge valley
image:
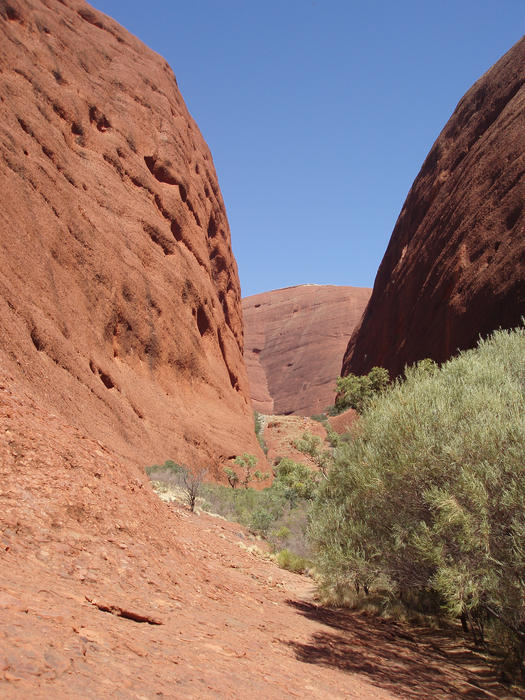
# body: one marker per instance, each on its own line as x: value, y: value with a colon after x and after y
x: 124, y: 342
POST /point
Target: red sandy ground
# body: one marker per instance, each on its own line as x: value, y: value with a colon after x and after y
x: 343, y: 422
x: 281, y: 431
x: 89, y: 557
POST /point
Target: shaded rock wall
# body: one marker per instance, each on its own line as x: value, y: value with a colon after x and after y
x: 294, y: 341
x: 455, y: 264
x: 119, y: 295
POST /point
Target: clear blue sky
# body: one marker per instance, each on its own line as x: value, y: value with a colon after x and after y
x: 319, y: 114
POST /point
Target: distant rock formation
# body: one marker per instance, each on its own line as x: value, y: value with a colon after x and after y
x: 119, y: 295
x: 455, y: 264
x: 294, y: 339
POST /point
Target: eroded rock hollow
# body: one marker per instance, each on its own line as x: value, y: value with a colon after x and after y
x: 119, y: 295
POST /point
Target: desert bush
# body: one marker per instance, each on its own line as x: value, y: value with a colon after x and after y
x: 191, y: 484
x: 188, y: 482
x: 246, y: 462
x: 295, y: 522
x: 357, y: 391
x: 256, y: 510
x: 259, y: 431
x: 333, y: 437
x: 232, y: 476
x: 427, y: 502
x: 379, y: 379
x: 298, y: 481
x: 292, y: 562
x: 245, y: 473
x: 261, y: 520
x: 281, y: 535
x: 311, y: 445
x: 164, y: 472
x: 279, y: 513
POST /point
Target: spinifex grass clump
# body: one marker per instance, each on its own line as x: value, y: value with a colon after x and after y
x: 427, y: 503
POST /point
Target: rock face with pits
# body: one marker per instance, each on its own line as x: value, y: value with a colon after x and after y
x: 455, y: 265
x: 294, y: 339
x: 119, y: 295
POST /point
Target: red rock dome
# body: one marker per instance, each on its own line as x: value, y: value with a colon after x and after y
x: 119, y: 295
x: 455, y: 265
x: 294, y: 341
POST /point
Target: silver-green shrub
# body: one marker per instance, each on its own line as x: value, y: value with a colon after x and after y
x: 428, y: 500
x: 357, y: 391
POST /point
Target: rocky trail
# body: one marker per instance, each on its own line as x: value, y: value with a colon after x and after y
x: 107, y: 591
x: 280, y: 433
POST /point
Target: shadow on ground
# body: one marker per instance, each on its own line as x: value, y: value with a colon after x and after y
x: 410, y: 662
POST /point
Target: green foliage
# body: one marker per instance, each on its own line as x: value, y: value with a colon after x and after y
x: 319, y: 417
x: 256, y: 510
x: 278, y: 513
x: 282, y: 534
x: 354, y: 392
x: 357, y: 391
x: 333, y: 437
x: 232, y: 476
x: 297, y: 480
x: 311, y: 445
x: 427, y: 365
x: 308, y: 444
x: 257, y: 422
x: 379, y: 378
x: 246, y: 462
x: 259, y: 429
x: 292, y: 562
x: 261, y: 520
x: 169, y: 467
x: 427, y: 503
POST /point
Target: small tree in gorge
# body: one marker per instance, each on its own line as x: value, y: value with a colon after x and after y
x: 246, y: 462
x: 190, y: 483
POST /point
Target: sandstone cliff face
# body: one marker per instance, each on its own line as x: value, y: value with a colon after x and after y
x: 455, y: 265
x: 294, y: 339
x: 119, y: 295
